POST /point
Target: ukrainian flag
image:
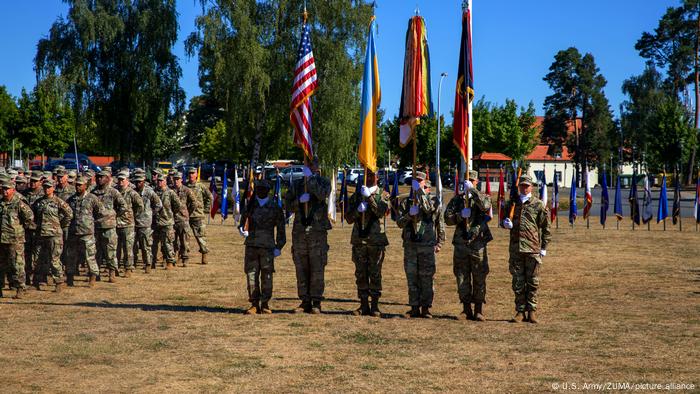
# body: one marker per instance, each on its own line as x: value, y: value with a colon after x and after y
x: 371, y: 97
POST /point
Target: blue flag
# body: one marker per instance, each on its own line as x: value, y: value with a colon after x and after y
x: 604, y: 200
x: 618, y: 199
x: 224, y: 195
x: 278, y: 190
x: 634, y: 203
x: 662, y: 212
x: 573, y: 209
x: 394, y: 198
x: 344, y: 196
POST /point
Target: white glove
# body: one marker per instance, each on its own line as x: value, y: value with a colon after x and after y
x: 362, y: 207
x: 507, y: 224
x: 307, y: 171
x: 365, y: 191
x: 276, y: 252
x: 415, y: 185
x: 304, y: 198
x: 466, y: 213
x: 243, y: 233
x: 467, y: 185
x: 543, y: 253
x: 414, y: 210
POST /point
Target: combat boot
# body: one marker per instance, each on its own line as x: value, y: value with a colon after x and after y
x: 518, y: 318
x: 374, y: 311
x: 467, y: 313
x: 363, y: 310
x: 205, y: 260
x: 92, y: 281
x: 265, y: 309
x: 478, y: 312
x: 147, y: 268
x: 169, y: 266
x: 59, y: 287
x: 127, y: 273
x: 19, y: 294
x: 304, y: 307
x: 532, y: 318
x: 184, y: 262
x: 316, y: 308
x: 253, y: 309
x: 425, y: 313
x: 69, y: 279
x: 414, y: 312
x: 112, y: 276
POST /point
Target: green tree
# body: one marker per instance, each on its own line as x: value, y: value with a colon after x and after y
x: 115, y: 57
x: 674, y: 45
x: 502, y: 129
x: 8, y: 118
x: 247, y: 52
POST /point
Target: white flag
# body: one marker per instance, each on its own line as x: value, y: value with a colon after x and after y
x: 236, y: 196
x: 331, y: 197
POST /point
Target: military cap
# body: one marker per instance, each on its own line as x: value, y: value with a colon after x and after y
x: 420, y: 176
x: 192, y: 170
x: 263, y: 183
x: 47, y: 183
x: 139, y: 170
x: 108, y: 169
x: 156, y: 171
x: 104, y: 172
x: 161, y: 177
x: 89, y: 173
x: 80, y: 180
x: 172, y: 172
x: 177, y: 175
x: 2, y: 170
x: 123, y: 175
x: 525, y: 180
x: 59, y: 170
x: 139, y: 178
x: 473, y: 175
x: 36, y: 176
x: 12, y: 172
x: 46, y: 174
x: 7, y: 184
x: 21, y: 179
x: 72, y: 174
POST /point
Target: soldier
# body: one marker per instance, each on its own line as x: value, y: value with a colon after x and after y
x: 469, y: 212
x: 71, y: 178
x: 262, y: 225
x: 21, y: 184
x: 307, y: 199
x: 529, y: 237
x: 15, y: 217
x: 423, y: 236
x: 144, y: 221
x: 80, y: 247
x: 164, y: 234
x: 188, y: 204
x: 366, y: 209
x: 51, y: 215
x: 113, y: 205
x: 32, y: 194
x: 63, y: 188
x: 91, y: 181
x: 204, y: 200
x: 125, y: 224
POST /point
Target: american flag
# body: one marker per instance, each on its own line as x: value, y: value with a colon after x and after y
x: 304, y: 87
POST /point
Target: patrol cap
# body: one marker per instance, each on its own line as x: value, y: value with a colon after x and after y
x: 21, y: 179
x: 172, y: 172
x: 12, y: 172
x: 123, y: 175
x: 72, y: 174
x: 139, y: 178
x: 420, y: 175
x: 7, y: 184
x: 177, y: 175
x: 264, y: 183
x: 525, y: 180
x: 156, y: 171
x: 473, y: 175
x: 161, y: 177
x: 47, y: 183
x: 139, y: 170
x: 36, y: 176
x: 104, y: 172
x: 108, y: 169
x: 80, y: 180
x: 46, y: 174
x: 89, y: 173
x: 59, y: 171
x: 192, y: 170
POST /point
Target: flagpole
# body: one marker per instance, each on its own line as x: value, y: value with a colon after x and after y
x: 468, y: 164
x: 437, y: 145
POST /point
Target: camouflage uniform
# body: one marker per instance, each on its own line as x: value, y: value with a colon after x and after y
x: 419, y: 253
x: 113, y: 205
x: 471, y: 264
x: 310, y: 237
x: 80, y: 247
x: 144, y: 222
x: 125, y: 227
x: 51, y: 215
x: 30, y: 244
x: 369, y: 242
x: 530, y: 234
x: 263, y: 222
x: 188, y: 204
x: 15, y: 217
x: 204, y: 201
x: 164, y: 234
x: 64, y: 192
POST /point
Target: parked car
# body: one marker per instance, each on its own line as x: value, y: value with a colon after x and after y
x: 293, y: 173
x: 53, y: 163
x: 354, y: 175
x: 84, y: 160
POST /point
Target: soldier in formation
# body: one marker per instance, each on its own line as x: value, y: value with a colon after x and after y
x: 203, y: 206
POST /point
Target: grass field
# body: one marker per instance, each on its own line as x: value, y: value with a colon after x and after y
x: 616, y: 306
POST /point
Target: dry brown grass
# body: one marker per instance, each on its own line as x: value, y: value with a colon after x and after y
x: 615, y: 306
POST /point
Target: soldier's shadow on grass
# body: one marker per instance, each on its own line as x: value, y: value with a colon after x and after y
x: 340, y: 300
x: 145, y: 307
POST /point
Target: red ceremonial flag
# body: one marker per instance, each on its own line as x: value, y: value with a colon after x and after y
x: 501, y: 197
x: 465, y: 88
x: 488, y: 190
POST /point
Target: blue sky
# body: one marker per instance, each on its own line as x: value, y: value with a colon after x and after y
x: 514, y: 43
